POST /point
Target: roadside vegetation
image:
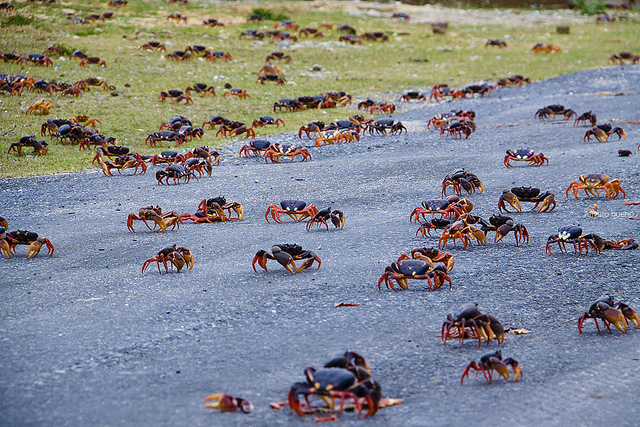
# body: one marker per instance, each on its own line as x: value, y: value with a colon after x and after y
x: 414, y: 58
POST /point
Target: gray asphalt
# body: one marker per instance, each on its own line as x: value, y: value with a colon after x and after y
x: 87, y: 340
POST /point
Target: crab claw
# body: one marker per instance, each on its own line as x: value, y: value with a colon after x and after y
x: 188, y: 256
x: 261, y: 259
x: 502, y: 368
x: 285, y: 259
x: 616, y: 317
x: 227, y: 403
x: 34, y: 247
x: 510, y: 198
x: 517, y: 372
x: 629, y: 313
x: 5, y: 248
x: 308, y: 262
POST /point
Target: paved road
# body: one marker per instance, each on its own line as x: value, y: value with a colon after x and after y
x: 86, y: 339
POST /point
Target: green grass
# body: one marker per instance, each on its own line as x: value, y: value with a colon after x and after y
x: 382, y: 71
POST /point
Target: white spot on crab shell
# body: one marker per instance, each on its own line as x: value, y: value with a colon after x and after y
x: 564, y: 235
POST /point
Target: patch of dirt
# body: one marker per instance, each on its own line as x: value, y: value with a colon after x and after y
x: 435, y: 13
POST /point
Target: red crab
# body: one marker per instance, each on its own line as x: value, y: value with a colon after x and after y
x: 296, y: 209
x: 493, y: 362
x: 610, y: 312
x: 525, y: 155
x: 286, y: 254
x: 178, y: 257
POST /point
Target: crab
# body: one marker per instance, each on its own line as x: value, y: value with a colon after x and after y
x: 409, y: 96
x: 459, y: 180
x: 586, y: 117
x: 221, y: 202
x: 176, y: 96
x: 154, y: 213
x: 569, y: 234
x: 469, y: 322
x: 482, y: 89
x: 9, y: 241
x: 177, y: 172
x: 218, y: 54
x: 296, y: 209
x: 36, y: 59
x: 177, y: 18
x: 443, y: 91
x: 211, y: 213
x: 314, y: 127
x: 311, y: 31
x: 347, y: 378
x: 452, y: 206
x: 286, y: 254
x: 610, y: 312
x: 41, y: 107
x: 435, y: 224
x: 441, y: 120
x: 177, y: 256
x: 270, y: 77
x: 267, y: 120
x: 201, y: 89
x: 514, y: 196
x: 227, y: 403
x: 546, y: 48
x: 602, y: 133
x: 284, y: 36
x: 254, y: 34
x: 624, y: 56
x: 463, y: 231
x: 156, y: 138
x: 153, y: 45
x: 455, y: 129
x: 382, y: 107
x: 525, y: 155
x: 350, y: 38
x: 236, y: 129
x: 321, y: 217
x: 278, y: 56
x: 290, y: 104
x: 240, y: 93
x: 288, y: 24
x: 39, y: 147
x: 179, y: 55
x: 131, y: 160
x: 496, y: 43
x: 600, y: 244
x: 419, y: 269
x: 212, y: 22
x: 553, y: 110
x: 432, y: 255
x: 400, y: 16
x: 503, y: 225
x: 381, y: 125
x: 337, y: 136
x: 276, y: 150
x: 592, y: 183
x: 94, y: 60
x: 257, y: 147
x: 72, y: 91
x: 92, y: 81
x: 494, y: 362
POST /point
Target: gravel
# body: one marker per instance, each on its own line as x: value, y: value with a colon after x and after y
x: 86, y: 339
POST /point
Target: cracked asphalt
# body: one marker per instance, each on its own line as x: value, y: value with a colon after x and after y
x: 86, y: 339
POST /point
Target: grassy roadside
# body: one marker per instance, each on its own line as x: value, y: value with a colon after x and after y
x: 414, y: 58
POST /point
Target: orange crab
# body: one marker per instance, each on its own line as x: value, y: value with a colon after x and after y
x: 593, y: 182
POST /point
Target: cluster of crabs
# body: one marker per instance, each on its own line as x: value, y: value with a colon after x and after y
x: 15, y: 84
